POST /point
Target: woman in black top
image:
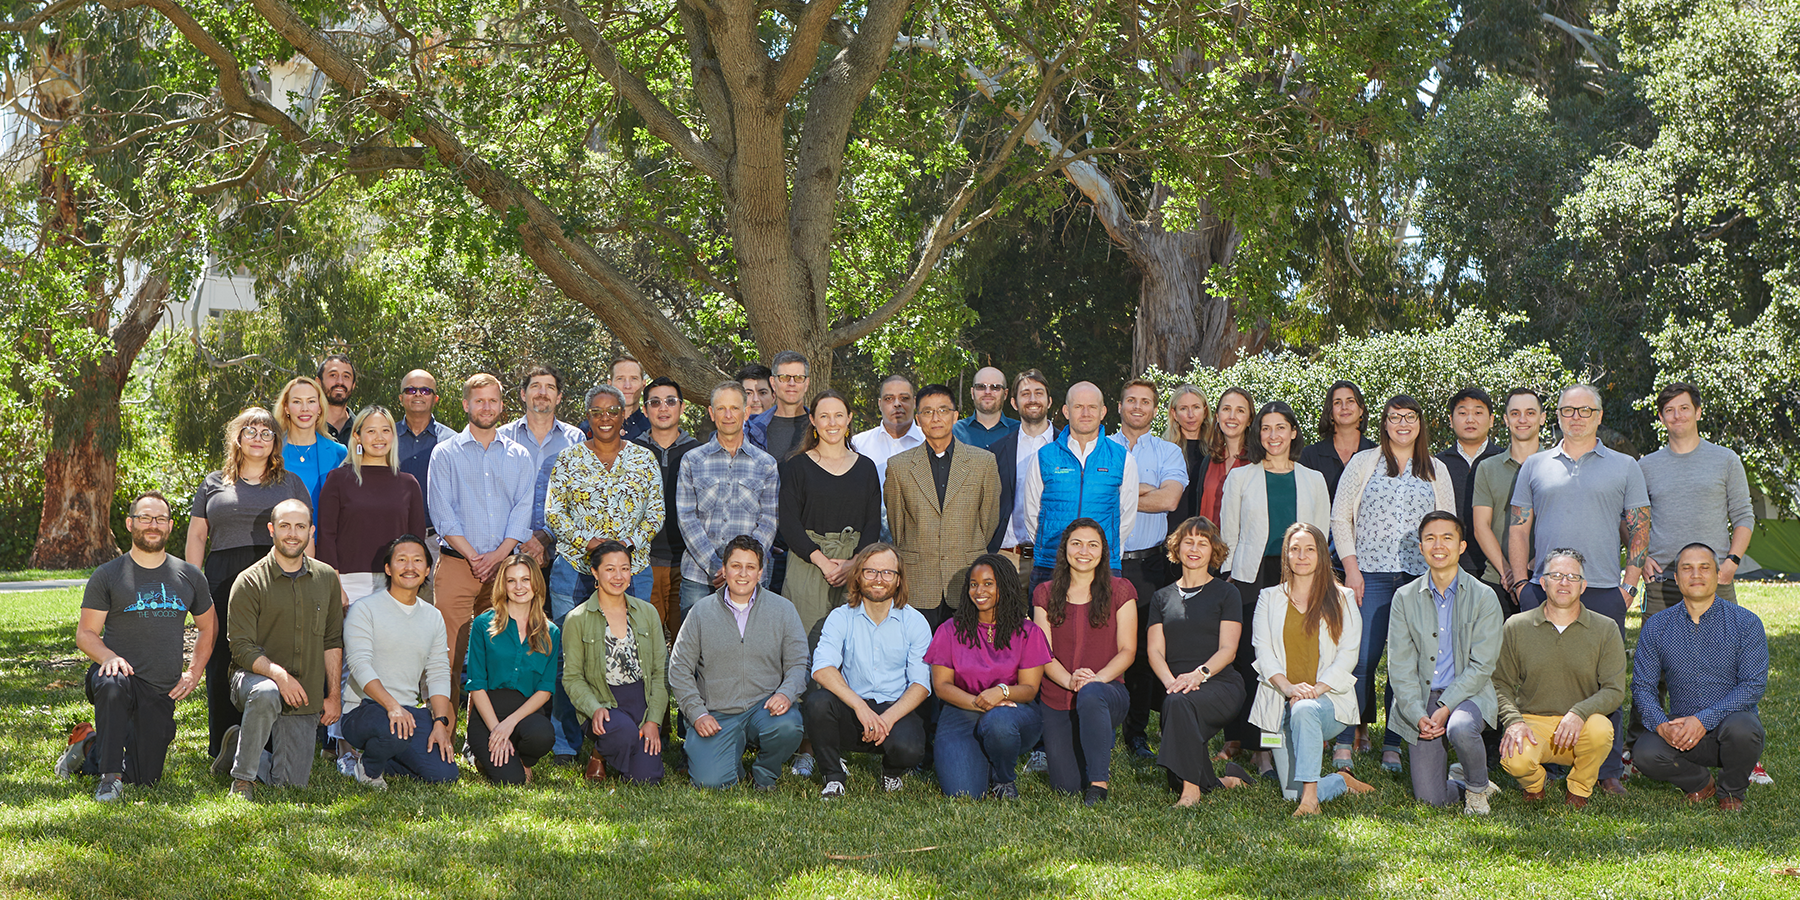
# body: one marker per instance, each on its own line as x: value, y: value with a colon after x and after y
x: 1343, y: 430
x: 1194, y: 629
x: 228, y: 530
x: 830, y: 509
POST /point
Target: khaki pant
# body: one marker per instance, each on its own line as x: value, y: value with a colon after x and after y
x: 460, y: 598
x: 1583, y: 759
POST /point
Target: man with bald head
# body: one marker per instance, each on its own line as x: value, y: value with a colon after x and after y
x: 286, y: 634
x: 1582, y: 494
x: 420, y: 433
x: 1080, y: 475
x: 987, y: 424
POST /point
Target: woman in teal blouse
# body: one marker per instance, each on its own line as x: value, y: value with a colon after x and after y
x: 509, y: 673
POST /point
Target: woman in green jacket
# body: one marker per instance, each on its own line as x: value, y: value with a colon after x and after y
x: 615, y: 671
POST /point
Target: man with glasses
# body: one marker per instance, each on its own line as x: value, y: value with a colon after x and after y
x: 987, y: 423
x: 1012, y: 454
x: 132, y: 616
x: 660, y: 584
x: 726, y: 487
x: 1495, y: 478
x: 1576, y: 495
x: 1560, y: 675
x: 420, y: 434
x: 779, y: 428
x: 871, y: 671
x: 543, y: 436
x: 942, y: 505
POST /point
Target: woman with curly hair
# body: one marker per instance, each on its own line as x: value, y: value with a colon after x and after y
x: 1090, y: 617
x: 1193, y: 637
x: 986, y: 665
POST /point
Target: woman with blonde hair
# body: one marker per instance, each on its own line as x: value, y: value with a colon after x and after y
x: 1306, y: 633
x: 228, y: 530
x: 307, y: 448
x: 509, y: 673
x: 365, y: 505
x: 1189, y: 416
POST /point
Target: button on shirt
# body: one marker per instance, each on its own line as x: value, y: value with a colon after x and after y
x: 562, y: 436
x: 720, y: 495
x: 482, y: 493
x: 971, y: 431
x: 1578, y: 503
x: 1714, y: 667
x: 878, y: 662
x: 1445, y: 601
x: 1016, y: 531
x: 415, y: 454
x: 1157, y: 461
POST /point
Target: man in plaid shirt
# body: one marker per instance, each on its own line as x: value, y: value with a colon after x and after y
x: 726, y: 487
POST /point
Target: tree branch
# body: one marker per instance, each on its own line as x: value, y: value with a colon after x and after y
x: 803, y: 48
x: 1582, y: 36
x: 39, y: 17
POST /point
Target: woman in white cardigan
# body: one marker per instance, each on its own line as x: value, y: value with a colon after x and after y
x: 1260, y: 501
x: 1306, y: 637
x: 1374, y: 522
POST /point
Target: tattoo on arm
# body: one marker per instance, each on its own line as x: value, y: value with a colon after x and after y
x: 1518, y: 517
x: 1637, y: 531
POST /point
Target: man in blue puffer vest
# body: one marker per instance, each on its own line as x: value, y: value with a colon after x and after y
x: 1079, y: 474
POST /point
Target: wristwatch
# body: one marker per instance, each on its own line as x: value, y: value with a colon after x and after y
x: 1736, y: 560
x: 443, y: 719
x: 1205, y: 673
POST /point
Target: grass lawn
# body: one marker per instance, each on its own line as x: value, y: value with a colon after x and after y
x: 44, y: 574
x: 561, y: 837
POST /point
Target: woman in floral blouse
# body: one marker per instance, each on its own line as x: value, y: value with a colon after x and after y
x: 602, y: 489
x: 615, y: 670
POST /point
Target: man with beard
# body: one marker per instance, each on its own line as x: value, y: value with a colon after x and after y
x: 987, y: 423
x: 132, y: 618
x: 482, y: 487
x: 286, y: 635
x: 543, y: 436
x: 1012, y: 453
x: 339, y: 378
x: 872, y: 676
x: 628, y: 377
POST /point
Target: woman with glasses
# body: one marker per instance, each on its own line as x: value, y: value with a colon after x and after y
x: 228, y: 530
x: 604, y: 488
x: 307, y: 449
x: 1306, y: 635
x: 366, y: 505
x: 830, y: 509
x: 1384, y: 493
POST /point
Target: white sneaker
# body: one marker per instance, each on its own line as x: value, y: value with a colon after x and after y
x: 349, y: 762
x: 111, y: 788
x: 892, y: 783
x: 1038, y: 763
x: 833, y: 790
x: 803, y: 765
x: 1759, y: 775
x: 844, y: 767
x: 1475, y: 803
x: 362, y: 778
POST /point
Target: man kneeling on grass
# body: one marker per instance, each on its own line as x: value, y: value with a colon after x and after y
x: 286, y: 633
x: 1714, y: 656
x: 1561, y: 673
x: 131, y: 627
x: 739, y: 661
x: 870, y: 666
x: 393, y: 645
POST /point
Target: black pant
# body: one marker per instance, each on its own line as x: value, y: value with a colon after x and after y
x: 1188, y: 724
x: 134, y: 723
x: 929, y: 710
x: 1268, y: 574
x: 1147, y: 575
x: 834, y: 730
x: 1734, y: 747
x: 222, y: 569
x: 531, y: 738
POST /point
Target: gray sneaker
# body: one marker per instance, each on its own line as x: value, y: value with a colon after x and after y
x: 803, y: 765
x: 111, y: 788
x: 227, y: 757
x: 1475, y: 803
x: 378, y: 783
x: 70, y: 762
x: 241, y: 790
x: 1038, y: 763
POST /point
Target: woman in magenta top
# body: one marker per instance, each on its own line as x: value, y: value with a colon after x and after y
x: 1090, y: 616
x: 986, y: 665
x: 365, y: 505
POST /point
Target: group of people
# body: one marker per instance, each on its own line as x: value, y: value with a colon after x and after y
x: 969, y: 595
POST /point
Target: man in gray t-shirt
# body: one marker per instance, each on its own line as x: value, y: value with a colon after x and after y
x: 1698, y: 492
x: 133, y: 621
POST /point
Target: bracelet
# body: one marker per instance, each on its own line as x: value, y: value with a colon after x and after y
x: 1005, y: 692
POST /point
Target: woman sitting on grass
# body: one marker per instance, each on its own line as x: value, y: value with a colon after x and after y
x: 1306, y: 635
x: 986, y: 665
x: 1193, y: 639
x: 615, y: 670
x: 509, y: 674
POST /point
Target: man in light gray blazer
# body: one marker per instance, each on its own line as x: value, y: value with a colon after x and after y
x: 1443, y: 643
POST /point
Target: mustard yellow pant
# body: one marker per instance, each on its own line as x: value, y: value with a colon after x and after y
x: 1583, y: 760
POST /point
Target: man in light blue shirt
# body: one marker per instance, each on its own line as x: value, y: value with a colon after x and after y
x: 872, y: 676
x: 1162, y: 475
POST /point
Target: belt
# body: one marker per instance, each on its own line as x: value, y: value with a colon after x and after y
x: 1145, y: 553
x: 1023, y: 550
x: 450, y: 551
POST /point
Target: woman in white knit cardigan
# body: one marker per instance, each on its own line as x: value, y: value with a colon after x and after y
x: 1374, y: 526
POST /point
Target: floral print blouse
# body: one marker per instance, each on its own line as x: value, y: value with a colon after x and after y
x: 587, y: 499
x: 1387, y: 522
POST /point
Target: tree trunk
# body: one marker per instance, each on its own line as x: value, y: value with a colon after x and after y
x: 81, y: 473
x: 1180, y: 321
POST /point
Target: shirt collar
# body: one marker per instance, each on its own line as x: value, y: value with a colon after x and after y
x: 1448, y: 592
x: 1600, y: 450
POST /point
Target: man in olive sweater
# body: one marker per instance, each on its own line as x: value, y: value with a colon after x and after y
x: 1561, y: 673
x: 738, y: 665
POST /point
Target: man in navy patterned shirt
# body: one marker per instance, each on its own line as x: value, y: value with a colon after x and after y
x: 1715, y: 659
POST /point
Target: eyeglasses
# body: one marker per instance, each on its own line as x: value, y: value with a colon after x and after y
x: 880, y: 574
x: 606, y: 412
x: 1576, y: 412
x: 153, y: 520
x: 1563, y: 576
x: 937, y: 412
x: 1403, y: 419
x: 254, y: 433
x: 790, y: 379
x: 658, y: 402
x: 414, y: 390
x: 989, y: 387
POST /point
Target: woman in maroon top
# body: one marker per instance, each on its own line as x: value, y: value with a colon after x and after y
x: 1090, y: 616
x: 365, y: 504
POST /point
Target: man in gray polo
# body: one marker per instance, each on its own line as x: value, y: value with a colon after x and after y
x: 1575, y: 495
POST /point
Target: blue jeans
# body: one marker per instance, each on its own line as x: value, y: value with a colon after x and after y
x: 718, y: 761
x: 1378, y: 598
x: 975, y: 749
x: 366, y: 728
x: 692, y: 592
x: 568, y: 589
x: 1078, y: 742
x: 643, y: 584
x: 1304, y: 726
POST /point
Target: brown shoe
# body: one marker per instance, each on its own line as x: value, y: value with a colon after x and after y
x: 1731, y: 804
x: 1704, y: 794
x: 1534, y: 796
x: 596, y: 768
x: 1575, y: 801
x: 1613, y: 786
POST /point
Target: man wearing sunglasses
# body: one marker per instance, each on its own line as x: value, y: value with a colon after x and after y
x: 1576, y: 495
x: 987, y: 424
x: 421, y: 431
